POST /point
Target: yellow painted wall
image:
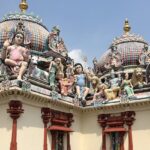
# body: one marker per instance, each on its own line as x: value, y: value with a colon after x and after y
x: 86, y: 135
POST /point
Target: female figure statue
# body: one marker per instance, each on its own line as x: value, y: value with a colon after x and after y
x: 127, y: 86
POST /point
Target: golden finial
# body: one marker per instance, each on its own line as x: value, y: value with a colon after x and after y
x: 23, y: 6
x: 126, y: 27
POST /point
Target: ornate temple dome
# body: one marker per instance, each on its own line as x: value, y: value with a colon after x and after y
x: 128, y: 45
x: 37, y: 32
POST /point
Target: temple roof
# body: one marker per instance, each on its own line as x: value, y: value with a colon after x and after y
x: 129, y: 45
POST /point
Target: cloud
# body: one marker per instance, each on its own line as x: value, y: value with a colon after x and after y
x: 79, y: 57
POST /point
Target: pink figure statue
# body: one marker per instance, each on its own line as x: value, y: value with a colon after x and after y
x: 16, y: 56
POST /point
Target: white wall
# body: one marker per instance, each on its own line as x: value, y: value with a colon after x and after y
x: 86, y: 136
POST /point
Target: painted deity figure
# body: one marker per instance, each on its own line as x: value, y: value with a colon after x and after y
x: 99, y: 94
x: 52, y: 74
x: 15, y: 55
x: 114, y: 58
x: 60, y: 69
x: 66, y: 84
x: 127, y: 86
x: 61, y: 48
x: 53, y: 38
x: 114, y: 89
x: 55, y: 71
x: 144, y: 59
x: 81, y: 83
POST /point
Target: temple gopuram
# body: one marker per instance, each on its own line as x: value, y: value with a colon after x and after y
x: 48, y: 102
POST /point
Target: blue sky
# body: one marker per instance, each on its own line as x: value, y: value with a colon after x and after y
x: 89, y: 25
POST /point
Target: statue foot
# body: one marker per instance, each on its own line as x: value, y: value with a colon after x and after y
x: 83, y: 102
x: 19, y: 79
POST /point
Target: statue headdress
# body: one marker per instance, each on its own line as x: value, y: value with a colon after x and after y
x: 20, y: 28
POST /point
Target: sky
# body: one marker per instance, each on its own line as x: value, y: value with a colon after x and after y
x: 88, y: 26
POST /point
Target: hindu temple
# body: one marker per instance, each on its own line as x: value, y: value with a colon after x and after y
x: 48, y: 102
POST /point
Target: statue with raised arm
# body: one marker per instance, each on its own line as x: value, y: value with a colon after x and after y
x: 14, y: 53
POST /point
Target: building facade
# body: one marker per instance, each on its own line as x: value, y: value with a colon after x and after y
x: 48, y: 102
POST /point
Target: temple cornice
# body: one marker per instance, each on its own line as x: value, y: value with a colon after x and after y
x: 40, y: 100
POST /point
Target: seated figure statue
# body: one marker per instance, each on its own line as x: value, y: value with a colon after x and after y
x: 15, y: 55
x: 114, y: 89
x: 81, y: 79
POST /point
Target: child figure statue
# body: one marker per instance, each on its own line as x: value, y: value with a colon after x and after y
x: 81, y: 83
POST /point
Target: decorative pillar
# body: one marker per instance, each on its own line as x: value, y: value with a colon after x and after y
x: 103, y: 139
x: 53, y: 140
x: 46, y: 118
x: 15, y: 109
x: 102, y: 120
x: 68, y: 141
x: 129, y: 118
x: 122, y: 140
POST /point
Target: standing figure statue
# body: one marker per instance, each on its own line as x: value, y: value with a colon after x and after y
x: 55, y: 71
x: 60, y: 69
x: 69, y: 68
x: 144, y: 59
x: 53, y: 38
x: 61, y: 48
x: 15, y: 55
x: 114, y: 58
x: 81, y: 80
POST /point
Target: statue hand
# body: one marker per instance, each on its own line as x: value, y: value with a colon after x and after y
x: 6, y: 44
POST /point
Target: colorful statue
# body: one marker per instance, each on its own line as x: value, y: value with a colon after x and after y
x: 144, y: 59
x: 114, y: 89
x: 69, y: 68
x: 137, y: 79
x: 60, y: 68
x: 66, y: 86
x: 53, y: 38
x: 99, y: 94
x: 35, y: 71
x: 127, y: 86
x: 52, y: 74
x: 81, y: 83
x: 15, y: 55
x: 61, y: 48
x: 114, y: 58
x: 55, y: 72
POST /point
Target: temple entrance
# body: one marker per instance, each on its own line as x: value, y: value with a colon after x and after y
x: 115, y: 141
x: 59, y: 140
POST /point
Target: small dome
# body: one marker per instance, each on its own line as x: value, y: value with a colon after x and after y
x: 37, y: 31
x: 129, y: 46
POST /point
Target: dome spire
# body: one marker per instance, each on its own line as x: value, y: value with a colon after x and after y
x: 23, y: 6
x: 126, y: 27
